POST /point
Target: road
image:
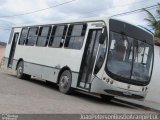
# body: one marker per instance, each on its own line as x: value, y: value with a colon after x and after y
x: 36, y: 97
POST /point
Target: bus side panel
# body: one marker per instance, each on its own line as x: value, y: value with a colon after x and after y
x: 47, y: 73
x: 49, y: 61
x: 50, y: 74
x: 74, y: 79
x: 53, y: 57
x: 32, y: 69
x: 43, y: 72
x: 7, y: 52
x: 6, y: 57
x: 14, y: 65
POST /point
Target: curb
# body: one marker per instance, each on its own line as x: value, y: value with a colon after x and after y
x: 138, y: 105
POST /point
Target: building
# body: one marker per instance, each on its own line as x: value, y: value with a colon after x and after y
x: 2, y: 50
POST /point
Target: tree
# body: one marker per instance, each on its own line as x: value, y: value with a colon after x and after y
x: 154, y: 21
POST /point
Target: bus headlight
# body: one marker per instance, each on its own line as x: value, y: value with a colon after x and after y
x: 107, y: 80
x: 143, y: 89
x: 111, y: 82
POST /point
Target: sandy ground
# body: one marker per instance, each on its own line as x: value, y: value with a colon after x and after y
x: 2, y: 52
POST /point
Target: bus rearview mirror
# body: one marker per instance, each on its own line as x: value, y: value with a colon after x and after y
x: 102, y: 38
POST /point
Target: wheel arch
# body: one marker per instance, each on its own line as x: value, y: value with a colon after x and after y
x: 19, y: 62
x: 61, y: 71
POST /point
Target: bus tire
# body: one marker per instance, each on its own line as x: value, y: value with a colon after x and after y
x: 106, y: 98
x: 65, y: 82
x: 20, y: 73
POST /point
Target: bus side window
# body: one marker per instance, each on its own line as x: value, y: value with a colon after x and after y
x: 43, y: 36
x: 75, y: 36
x: 23, y: 37
x: 58, y: 34
x: 32, y: 36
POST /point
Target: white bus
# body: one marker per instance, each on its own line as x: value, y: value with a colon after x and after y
x: 104, y: 56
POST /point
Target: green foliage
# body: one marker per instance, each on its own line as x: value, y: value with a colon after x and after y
x: 154, y: 21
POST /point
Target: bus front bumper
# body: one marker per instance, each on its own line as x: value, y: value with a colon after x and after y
x: 101, y: 87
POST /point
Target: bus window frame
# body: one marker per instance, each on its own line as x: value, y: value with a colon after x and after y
x: 21, y: 35
x: 50, y: 45
x: 49, y: 35
x: 38, y: 27
x: 73, y: 24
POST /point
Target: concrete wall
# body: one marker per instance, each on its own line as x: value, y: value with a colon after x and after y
x: 2, y: 52
x: 154, y: 90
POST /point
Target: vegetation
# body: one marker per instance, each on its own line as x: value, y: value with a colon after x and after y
x: 154, y: 21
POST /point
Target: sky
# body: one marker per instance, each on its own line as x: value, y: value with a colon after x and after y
x: 74, y: 9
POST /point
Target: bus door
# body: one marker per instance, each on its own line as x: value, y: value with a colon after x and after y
x: 89, y: 58
x: 13, y: 48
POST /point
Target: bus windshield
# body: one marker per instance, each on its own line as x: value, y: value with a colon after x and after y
x: 129, y: 59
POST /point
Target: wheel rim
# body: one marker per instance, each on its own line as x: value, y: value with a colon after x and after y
x: 19, y: 71
x: 64, y: 82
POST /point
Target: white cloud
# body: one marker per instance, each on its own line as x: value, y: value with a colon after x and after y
x: 21, y: 6
x: 77, y: 9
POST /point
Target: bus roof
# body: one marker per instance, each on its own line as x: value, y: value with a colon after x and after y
x: 66, y: 21
x: 91, y: 19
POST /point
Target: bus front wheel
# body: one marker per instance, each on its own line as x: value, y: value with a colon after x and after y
x: 20, y: 73
x: 65, y: 82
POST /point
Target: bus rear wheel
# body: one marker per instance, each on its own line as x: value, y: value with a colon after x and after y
x: 65, y: 82
x: 20, y: 73
x: 106, y: 98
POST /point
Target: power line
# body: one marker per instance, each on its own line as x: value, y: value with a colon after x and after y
x: 50, y: 7
x: 130, y: 12
x: 135, y: 11
x: 63, y: 4
x: 2, y: 28
x: 117, y: 6
x: 92, y: 12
